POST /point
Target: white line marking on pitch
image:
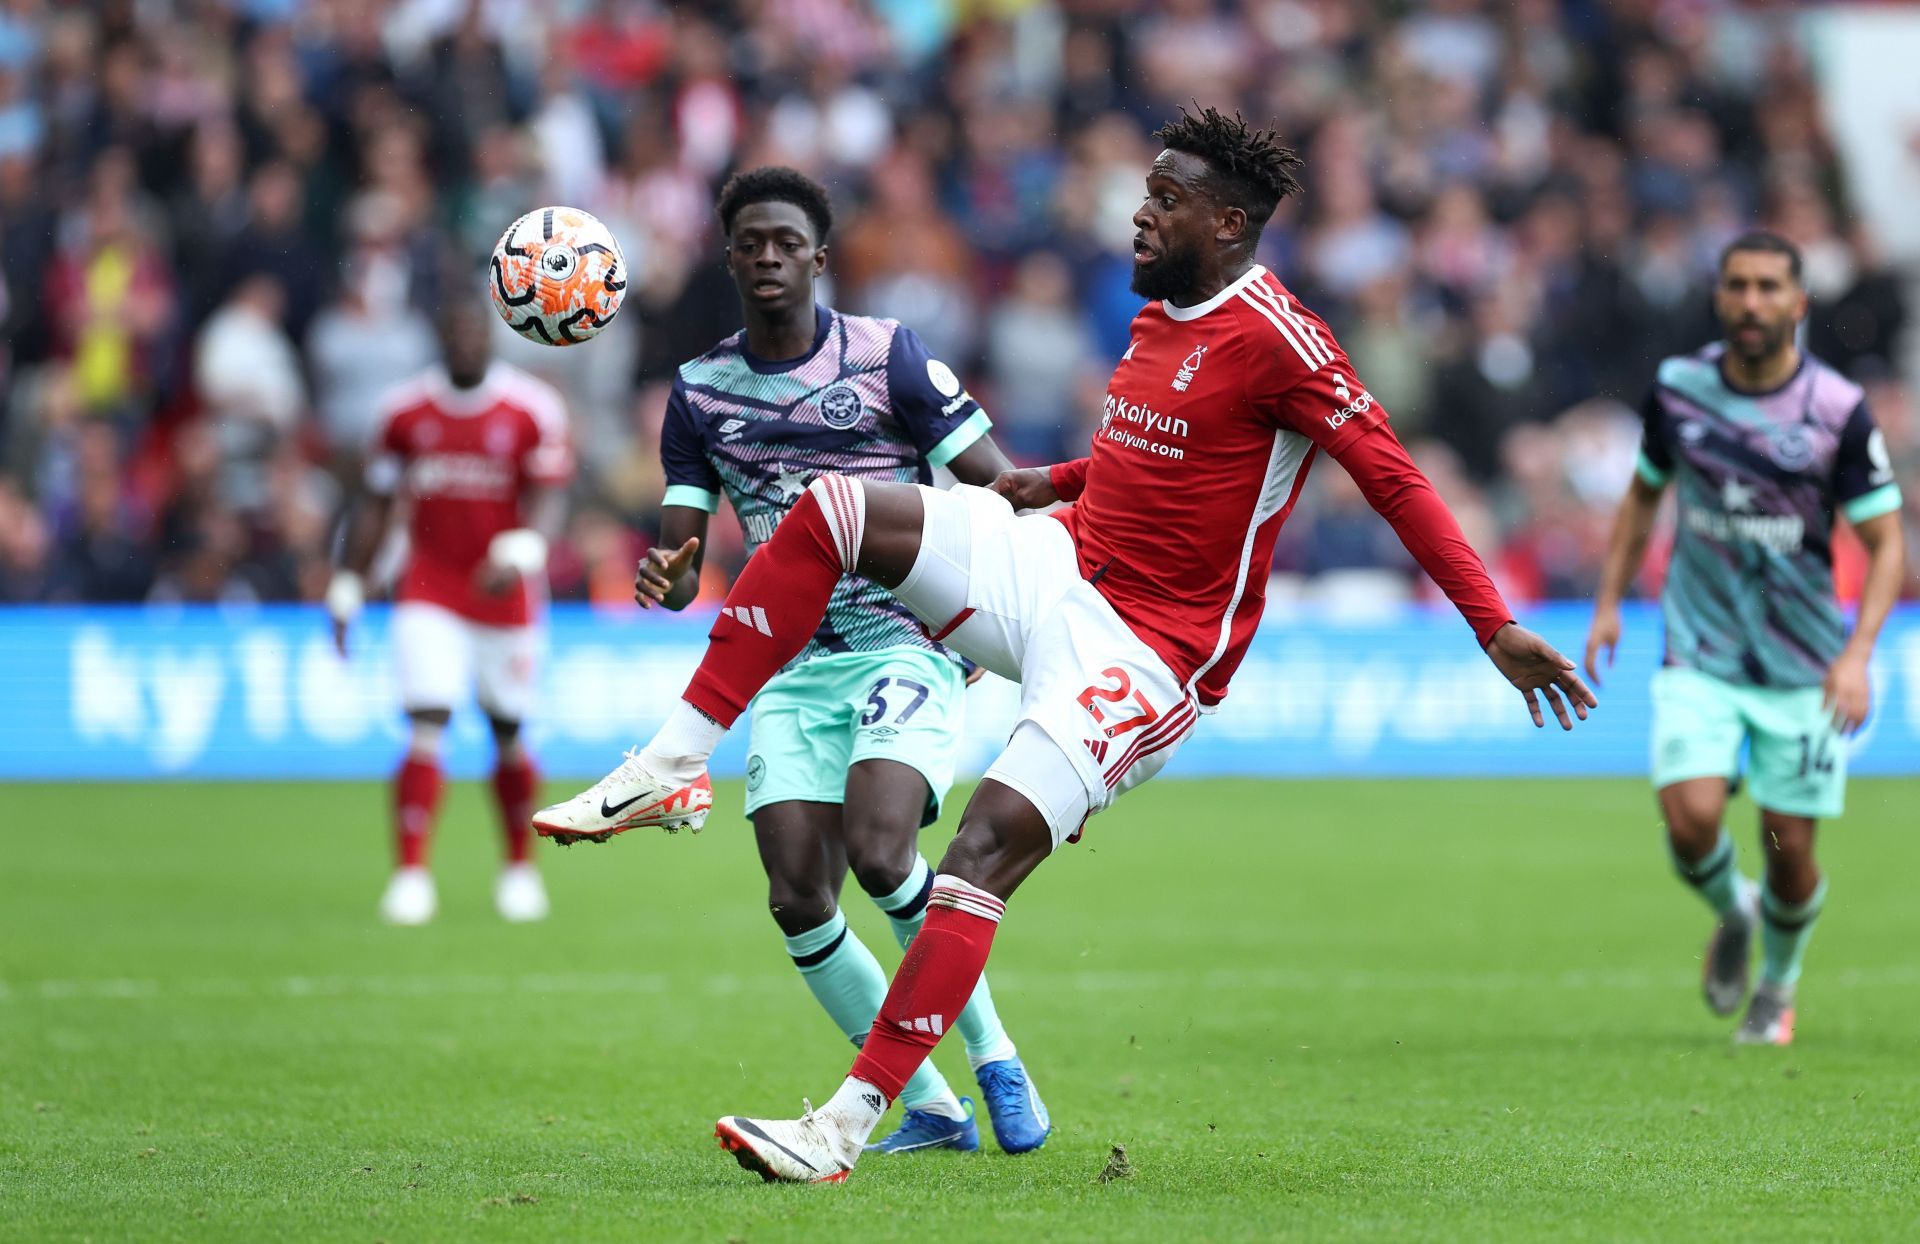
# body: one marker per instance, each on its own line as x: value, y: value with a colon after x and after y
x: 1278, y: 980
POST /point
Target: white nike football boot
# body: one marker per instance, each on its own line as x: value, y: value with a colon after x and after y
x: 520, y: 896
x: 630, y: 797
x: 410, y: 898
x: 806, y: 1150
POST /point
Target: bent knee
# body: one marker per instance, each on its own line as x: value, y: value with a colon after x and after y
x: 799, y: 908
x: 1693, y: 812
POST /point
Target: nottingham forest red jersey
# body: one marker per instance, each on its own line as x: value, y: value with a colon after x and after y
x: 466, y: 460
x: 1212, y: 419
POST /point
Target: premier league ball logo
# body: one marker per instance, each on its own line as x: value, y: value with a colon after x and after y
x: 840, y: 406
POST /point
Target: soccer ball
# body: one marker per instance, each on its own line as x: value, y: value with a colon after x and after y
x: 557, y: 276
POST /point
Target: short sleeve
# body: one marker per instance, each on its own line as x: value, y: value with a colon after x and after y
x: 928, y: 400
x: 548, y: 460
x: 691, y: 479
x: 386, y: 452
x: 1863, y: 483
x: 1655, y: 463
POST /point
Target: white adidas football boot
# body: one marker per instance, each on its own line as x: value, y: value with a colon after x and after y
x: 520, y: 896
x: 410, y: 898
x: 631, y: 797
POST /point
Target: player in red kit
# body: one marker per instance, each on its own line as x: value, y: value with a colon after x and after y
x: 1123, y: 616
x: 478, y: 451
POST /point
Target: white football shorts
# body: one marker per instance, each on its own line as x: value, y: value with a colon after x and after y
x: 440, y: 658
x: 1100, y: 712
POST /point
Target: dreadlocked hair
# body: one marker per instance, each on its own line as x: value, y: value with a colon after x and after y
x: 1251, y: 168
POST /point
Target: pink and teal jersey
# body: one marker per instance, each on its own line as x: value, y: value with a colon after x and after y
x: 1749, y: 594
x: 867, y: 401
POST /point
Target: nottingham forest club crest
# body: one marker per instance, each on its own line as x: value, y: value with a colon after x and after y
x: 840, y: 406
x: 1188, y: 366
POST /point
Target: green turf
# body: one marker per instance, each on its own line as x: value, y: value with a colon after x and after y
x: 1311, y: 1011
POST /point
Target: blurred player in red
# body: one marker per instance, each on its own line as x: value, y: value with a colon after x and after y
x: 1123, y: 615
x: 478, y: 450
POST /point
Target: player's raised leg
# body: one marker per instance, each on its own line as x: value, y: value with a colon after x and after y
x: 840, y: 526
x: 1003, y: 837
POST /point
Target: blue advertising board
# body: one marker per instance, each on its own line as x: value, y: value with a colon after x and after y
x: 208, y: 693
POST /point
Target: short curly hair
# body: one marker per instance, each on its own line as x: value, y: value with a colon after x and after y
x: 775, y: 183
x: 1252, y: 169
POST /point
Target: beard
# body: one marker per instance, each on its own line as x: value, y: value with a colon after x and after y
x: 1773, y: 338
x: 1171, y: 275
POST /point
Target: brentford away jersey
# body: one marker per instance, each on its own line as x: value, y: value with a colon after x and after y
x: 866, y: 401
x: 465, y: 459
x: 1212, y: 419
x: 1749, y: 594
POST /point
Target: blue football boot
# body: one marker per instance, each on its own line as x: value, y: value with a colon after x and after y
x: 1020, y: 1121
x: 922, y: 1129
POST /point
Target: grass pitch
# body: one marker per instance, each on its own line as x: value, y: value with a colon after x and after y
x: 1309, y: 1011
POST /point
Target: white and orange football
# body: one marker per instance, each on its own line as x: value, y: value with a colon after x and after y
x: 557, y: 276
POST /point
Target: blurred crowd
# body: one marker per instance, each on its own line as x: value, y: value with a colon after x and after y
x: 224, y: 225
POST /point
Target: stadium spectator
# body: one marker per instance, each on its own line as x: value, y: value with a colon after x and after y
x: 1512, y: 210
x: 248, y: 376
x: 368, y: 339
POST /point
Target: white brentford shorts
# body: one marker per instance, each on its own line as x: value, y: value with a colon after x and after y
x: 440, y: 658
x: 1100, y: 712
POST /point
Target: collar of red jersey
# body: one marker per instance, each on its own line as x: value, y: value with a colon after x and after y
x: 466, y: 401
x: 1201, y: 308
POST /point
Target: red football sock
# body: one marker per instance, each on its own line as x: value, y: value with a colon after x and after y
x: 513, y: 785
x: 416, y: 798
x: 935, y: 979
x: 779, y: 599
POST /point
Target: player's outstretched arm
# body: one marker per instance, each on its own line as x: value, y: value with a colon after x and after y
x: 1626, y: 549
x: 1397, y: 489
x: 670, y: 574
x: 1534, y: 666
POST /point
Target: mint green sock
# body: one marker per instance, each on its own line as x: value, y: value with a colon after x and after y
x: 1785, y: 930
x: 850, y: 985
x: 979, y: 1023
x: 1717, y: 877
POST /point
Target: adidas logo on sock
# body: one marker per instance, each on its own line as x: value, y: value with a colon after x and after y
x: 936, y: 1024
x: 753, y: 616
x: 875, y: 1102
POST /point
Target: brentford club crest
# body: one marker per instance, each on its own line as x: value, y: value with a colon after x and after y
x: 840, y: 406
